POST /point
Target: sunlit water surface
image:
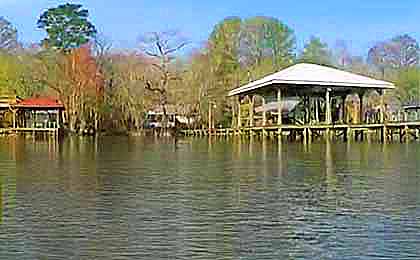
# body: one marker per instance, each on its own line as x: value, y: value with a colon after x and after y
x: 134, y: 198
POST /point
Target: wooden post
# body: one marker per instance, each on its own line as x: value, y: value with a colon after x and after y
x: 382, y: 110
x: 279, y: 107
x: 58, y: 119
x: 233, y: 124
x: 264, y: 132
x: 361, y: 115
x: 343, y: 109
x: 316, y: 110
x: 251, y: 110
x: 264, y: 111
x: 14, y: 119
x: 280, y: 114
x: 209, y: 126
x: 382, y: 118
x: 328, y: 107
x: 328, y: 116
x: 239, y: 113
x: 307, y: 109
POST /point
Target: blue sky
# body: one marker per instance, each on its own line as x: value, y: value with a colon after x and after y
x: 361, y: 23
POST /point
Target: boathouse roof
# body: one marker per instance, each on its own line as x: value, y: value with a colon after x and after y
x: 40, y: 102
x: 307, y: 75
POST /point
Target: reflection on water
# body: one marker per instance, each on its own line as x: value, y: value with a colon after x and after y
x: 130, y: 198
x: 1, y: 199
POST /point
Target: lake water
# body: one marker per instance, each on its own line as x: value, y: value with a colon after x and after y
x: 135, y: 198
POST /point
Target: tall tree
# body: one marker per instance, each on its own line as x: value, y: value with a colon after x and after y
x: 267, y: 37
x: 222, y: 61
x: 316, y: 51
x: 224, y: 45
x: 400, y: 52
x: 67, y: 27
x: 125, y: 94
x: 75, y: 79
x: 162, y: 48
x: 8, y: 35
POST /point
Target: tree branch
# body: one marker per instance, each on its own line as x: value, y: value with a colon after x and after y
x: 153, y: 89
x: 182, y: 45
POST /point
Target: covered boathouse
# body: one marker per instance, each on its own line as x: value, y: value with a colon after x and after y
x: 37, y: 114
x: 308, y: 101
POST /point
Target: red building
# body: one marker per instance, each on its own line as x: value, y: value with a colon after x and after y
x: 31, y: 114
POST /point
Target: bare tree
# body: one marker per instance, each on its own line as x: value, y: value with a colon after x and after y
x: 162, y: 48
x: 400, y: 52
x: 8, y: 35
x: 101, y: 49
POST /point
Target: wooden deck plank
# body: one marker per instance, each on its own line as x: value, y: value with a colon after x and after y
x: 298, y: 128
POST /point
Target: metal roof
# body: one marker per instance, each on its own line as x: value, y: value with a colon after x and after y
x: 305, y: 74
x: 39, y: 102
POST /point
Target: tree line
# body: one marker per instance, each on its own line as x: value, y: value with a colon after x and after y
x: 109, y: 89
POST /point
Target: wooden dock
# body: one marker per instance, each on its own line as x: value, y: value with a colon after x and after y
x: 52, y: 131
x: 401, y: 131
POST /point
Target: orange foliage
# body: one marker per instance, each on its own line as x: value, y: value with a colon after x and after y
x: 83, y: 73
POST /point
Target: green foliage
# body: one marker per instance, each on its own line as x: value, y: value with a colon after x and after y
x: 224, y: 45
x: 239, y: 51
x: 267, y: 37
x: 15, y: 75
x: 408, y: 83
x: 67, y: 27
x: 317, y: 52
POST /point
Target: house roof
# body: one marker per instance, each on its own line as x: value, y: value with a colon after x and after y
x: 305, y: 74
x: 39, y: 102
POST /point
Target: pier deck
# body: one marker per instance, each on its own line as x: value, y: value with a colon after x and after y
x: 384, y: 132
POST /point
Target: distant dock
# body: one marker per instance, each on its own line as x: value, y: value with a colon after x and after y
x: 403, y: 131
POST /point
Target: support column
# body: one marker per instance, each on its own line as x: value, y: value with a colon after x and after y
x: 280, y: 114
x: 382, y: 110
x: 264, y: 111
x: 382, y: 118
x: 209, y: 118
x: 233, y: 124
x: 316, y: 110
x: 343, y: 113
x: 264, y: 123
x: 58, y: 119
x: 14, y: 119
x: 361, y: 114
x: 251, y: 110
x: 328, y: 116
x: 279, y: 107
x: 239, y: 113
x: 328, y: 107
x: 307, y: 109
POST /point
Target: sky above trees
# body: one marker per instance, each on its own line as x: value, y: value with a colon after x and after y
x: 361, y: 23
